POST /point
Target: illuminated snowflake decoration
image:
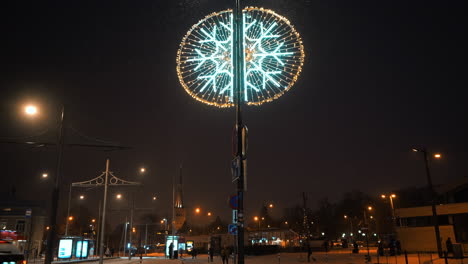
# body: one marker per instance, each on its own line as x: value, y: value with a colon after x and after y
x: 273, y: 58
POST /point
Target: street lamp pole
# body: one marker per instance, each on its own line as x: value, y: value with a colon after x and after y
x: 241, y: 131
x: 433, y: 202
x: 433, y: 199
x: 49, y: 255
x: 68, y: 210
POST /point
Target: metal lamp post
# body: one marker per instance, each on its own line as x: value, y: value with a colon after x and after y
x: 228, y: 59
x: 433, y: 198
x: 106, y: 179
x: 55, y: 191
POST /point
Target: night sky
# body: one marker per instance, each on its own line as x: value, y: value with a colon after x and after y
x: 379, y: 78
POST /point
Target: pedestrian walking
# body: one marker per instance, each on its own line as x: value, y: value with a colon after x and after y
x: 225, y: 253
x: 449, y: 245
x: 171, y: 250
x: 210, y: 254
x: 309, y: 253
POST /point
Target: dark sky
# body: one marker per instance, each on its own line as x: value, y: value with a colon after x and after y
x: 379, y: 77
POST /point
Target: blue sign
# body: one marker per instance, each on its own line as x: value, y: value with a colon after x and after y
x: 233, y: 201
x: 232, y: 228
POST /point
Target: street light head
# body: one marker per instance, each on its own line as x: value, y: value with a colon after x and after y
x: 118, y: 196
x: 154, y: 198
x: 270, y: 205
x: 45, y: 175
x: 415, y: 150
x: 93, y: 220
x: 70, y: 218
x: 209, y: 214
x: 437, y: 156
x: 369, y: 208
x: 393, y: 195
x: 142, y: 170
x: 82, y: 197
x: 345, y: 217
x: 383, y: 196
x: 255, y: 218
x: 197, y: 210
x: 30, y: 110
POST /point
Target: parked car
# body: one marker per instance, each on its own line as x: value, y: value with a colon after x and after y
x: 10, y: 254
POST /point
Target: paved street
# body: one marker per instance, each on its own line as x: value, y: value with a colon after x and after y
x: 338, y: 257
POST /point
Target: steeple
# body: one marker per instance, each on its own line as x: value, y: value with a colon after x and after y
x: 178, y: 201
x: 179, y: 210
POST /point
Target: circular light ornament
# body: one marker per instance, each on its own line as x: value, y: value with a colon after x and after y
x: 273, y: 58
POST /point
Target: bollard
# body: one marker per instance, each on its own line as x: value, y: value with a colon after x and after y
x: 406, y: 257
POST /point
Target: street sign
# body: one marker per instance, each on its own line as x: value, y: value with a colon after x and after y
x: 232, y: 228
x: 28, y: 213
x: 233, y: 201
x: 235, y: 169
x: 234, y: 216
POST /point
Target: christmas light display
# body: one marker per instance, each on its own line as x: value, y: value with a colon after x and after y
x: 273, y: 57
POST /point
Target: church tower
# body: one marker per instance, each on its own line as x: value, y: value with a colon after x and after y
x: 179, y: 209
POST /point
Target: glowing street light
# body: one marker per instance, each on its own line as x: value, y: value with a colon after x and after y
x: 391, y: 197
x: 197, y: 210
x: 30, y: 110
x: 208, y: 214
x: 45, y: 175
x: 142, y: 170
x: 93, y: 220
x: 437, y: 156
x: 82, y: 197
x: 270, y: 205
x: 154, y: 198
x: 70, y: 218
x: 118, y: 196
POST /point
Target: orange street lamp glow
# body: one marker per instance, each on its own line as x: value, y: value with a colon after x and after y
x: 197, y: 210
x: 81, y: 197
x: 393, y: 195
x: 369, y: 208
x: 209, y: 214
x: 345, y: 216
x: 383, y: 196
x: 30, y: 110
x: 93, y: 220
x: 70, y: 218
x: 154, y: 198
x: 142, y: 170
x: 437, y: 156
x: 45, y: 175
x: 256, y: 218
x: 271, y: 205
x: 118, y: 196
